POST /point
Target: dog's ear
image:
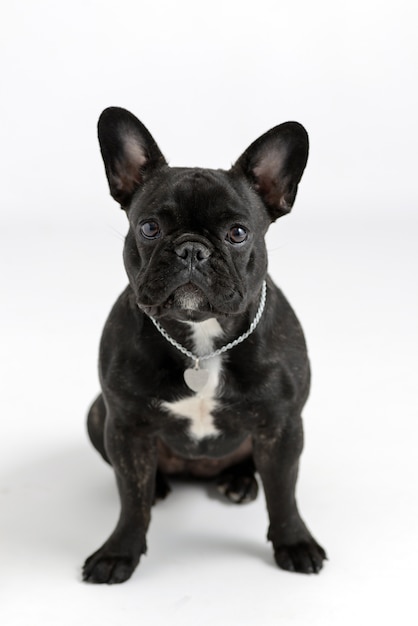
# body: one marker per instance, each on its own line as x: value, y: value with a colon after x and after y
x: 274, y: 165
x: 129, y: 152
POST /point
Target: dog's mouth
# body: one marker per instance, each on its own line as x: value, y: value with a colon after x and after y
x: 186, y: 303
x: 188, y: 297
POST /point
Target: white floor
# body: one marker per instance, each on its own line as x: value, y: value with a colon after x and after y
x: 354, y: 287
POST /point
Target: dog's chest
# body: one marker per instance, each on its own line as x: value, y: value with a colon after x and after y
x: 199, y: 407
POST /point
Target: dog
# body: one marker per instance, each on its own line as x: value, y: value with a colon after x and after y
x: 203, y: 364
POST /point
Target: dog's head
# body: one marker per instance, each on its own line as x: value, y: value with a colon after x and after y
x: 195, y: 247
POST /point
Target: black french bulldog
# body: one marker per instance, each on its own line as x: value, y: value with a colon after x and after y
x: 203, y: 364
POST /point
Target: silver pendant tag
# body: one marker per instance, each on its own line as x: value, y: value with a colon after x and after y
x: 196, y: 379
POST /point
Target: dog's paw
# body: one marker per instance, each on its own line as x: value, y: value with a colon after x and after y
x: 305, y: 557
x: 238, y: 488
x: 102, y: 567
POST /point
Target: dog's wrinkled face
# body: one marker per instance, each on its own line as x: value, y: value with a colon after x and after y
x: 195, y: 247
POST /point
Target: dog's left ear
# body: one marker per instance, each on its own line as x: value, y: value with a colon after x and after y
x: 129, y: 152
x: 274, y: 165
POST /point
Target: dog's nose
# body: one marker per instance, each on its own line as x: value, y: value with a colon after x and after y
x: 192, y: 251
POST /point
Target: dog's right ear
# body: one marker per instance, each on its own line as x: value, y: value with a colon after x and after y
x: 129, y: 152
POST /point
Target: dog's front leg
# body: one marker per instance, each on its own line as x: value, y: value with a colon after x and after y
x: 276, y: 456
x: 133, y: 455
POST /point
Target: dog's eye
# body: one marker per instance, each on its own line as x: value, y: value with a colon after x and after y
x: 237, y: 234
x: 150, y: 230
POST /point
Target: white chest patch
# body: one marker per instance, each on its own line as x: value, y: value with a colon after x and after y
x: 199, y: 407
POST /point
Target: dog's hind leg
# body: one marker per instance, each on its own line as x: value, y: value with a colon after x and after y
x: 162, y: 487
x: 95, y: 425
x: 238, y: 482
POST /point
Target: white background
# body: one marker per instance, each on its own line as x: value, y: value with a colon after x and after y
x: 207, y: 79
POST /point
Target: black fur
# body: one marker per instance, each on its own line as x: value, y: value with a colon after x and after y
x: 265, y: 380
